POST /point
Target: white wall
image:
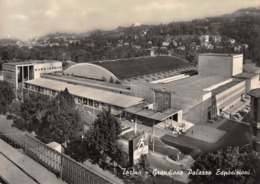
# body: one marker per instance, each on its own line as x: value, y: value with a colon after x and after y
x: 254, y: 83
x: 46, y: 68
x: 237, y: 67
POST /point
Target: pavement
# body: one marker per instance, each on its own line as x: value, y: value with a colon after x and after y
x: 161, y: 163
x: 12, y: 174
x: 19, y: 168
x: 205, y: 133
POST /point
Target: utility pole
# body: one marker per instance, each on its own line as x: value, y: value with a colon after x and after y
x: 153, y: 135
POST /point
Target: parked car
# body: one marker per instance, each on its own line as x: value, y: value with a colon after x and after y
x: 234, y: 117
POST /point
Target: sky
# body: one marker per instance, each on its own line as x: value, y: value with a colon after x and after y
x: 26, y: 19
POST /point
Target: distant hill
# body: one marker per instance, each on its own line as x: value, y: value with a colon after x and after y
x: 252, y: 11
x: 7, y: 41
x: 226, y: 34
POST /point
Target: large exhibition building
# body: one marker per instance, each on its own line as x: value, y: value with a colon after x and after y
x: 149, y: 89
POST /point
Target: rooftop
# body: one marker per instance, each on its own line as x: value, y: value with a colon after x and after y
x: 255, y: 93
x: 127, y: 68
x: 151, y: 114
x: 131, y: 135
x: 32, y: 62
x: 193, y: 85
x: 107, y: 97
x: 85, y: 81
x: 246, y: 75
x: 221, y: 55
x: 225, y: 87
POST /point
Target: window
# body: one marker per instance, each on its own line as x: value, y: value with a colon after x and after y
x: 85, y: 101
x: 90, y: 103
x: 53, y: 92
x: 96, y: 105
x: 79, y: 100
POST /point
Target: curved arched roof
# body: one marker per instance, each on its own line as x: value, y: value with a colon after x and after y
x: 128, y: 68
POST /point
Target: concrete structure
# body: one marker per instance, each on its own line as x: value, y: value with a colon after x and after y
x: 226, y: 65
x: 134, y: 144
x: 19, y: 72
x: 220, y: 84
x: 131, y: 70
x: 151, y: 89
x: 255, y: 119
x: 91, y: 97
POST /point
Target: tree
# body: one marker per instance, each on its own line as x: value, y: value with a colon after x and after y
x: 102, y: 137
x: 229, y: 159
x: 6, y: 96
x: 63, y: 120
x: 33, y: 109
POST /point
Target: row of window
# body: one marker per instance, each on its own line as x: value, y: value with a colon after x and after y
x: 229, y: 101
x: 233, y: 92
x: 91, y: 103
x: 88, y: 102
x: 50, y: 68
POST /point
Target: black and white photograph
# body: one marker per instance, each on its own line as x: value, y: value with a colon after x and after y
x: 129, y: 91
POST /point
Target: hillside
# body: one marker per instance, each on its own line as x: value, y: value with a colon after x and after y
x: 238, y: 32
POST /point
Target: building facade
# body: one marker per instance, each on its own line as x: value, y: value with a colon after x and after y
x: 255, y: 119
x: 19, y: 72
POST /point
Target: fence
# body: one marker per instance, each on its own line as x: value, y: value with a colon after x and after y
x: 60, y: 164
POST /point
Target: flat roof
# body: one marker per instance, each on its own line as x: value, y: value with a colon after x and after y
x: 220, y: 54
x: 225, y: 87
x: 131, y: 135
x: 246, y: 75
x: 151, y: 114
x: 32, y: 62
x: 193, y: 85
x: 254, y: 93
x: 106, y: 97
x: 85, y: 81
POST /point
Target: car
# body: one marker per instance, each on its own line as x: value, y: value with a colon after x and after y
x: 247, y: 108
x: 244, y: 100
x: 234, y: 117
x: 238, y: 115
x: 210, y: 121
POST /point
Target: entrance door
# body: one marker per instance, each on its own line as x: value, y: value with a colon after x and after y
x: 209, y: 115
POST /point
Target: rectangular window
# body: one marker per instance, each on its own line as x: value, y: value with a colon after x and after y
x: 90, y: 103
x: 96, y: 105
x: 79, y: 100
